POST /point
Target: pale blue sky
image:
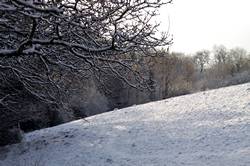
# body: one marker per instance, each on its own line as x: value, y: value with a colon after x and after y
x: 200, y: 24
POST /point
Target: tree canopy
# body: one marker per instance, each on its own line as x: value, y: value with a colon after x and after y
x: 42, y: 42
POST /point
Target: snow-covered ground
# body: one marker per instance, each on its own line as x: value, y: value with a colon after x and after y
x: 209, y: 128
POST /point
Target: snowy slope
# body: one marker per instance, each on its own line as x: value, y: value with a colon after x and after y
x: 204, y: 129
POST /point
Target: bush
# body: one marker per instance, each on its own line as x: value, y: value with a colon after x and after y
x: 10, y: 136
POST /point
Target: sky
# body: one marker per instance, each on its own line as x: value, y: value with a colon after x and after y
x: 201, y: 24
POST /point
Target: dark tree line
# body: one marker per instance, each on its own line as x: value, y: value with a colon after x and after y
x: 47, y: 44
x: 41, y: 41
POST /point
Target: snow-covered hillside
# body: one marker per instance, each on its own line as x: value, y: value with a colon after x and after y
x: 204, y: 129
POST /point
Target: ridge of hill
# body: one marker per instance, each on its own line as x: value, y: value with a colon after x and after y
x: 210, y: 128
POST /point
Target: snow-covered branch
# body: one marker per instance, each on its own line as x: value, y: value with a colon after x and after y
x: 43, y: 39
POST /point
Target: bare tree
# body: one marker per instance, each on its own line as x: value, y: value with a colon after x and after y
x: 201, y: 58
x: 238, y: 57
x: 220, y: 54
x: 44, y: 41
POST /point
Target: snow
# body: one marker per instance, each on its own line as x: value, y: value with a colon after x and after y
x: 209, y: 128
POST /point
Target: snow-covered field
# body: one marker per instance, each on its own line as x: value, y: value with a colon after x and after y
x: 209, y: 128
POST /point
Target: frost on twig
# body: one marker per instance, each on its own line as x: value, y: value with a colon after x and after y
x: 43, y: 40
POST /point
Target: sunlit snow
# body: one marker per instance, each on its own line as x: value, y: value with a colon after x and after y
x: 209, y: 128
